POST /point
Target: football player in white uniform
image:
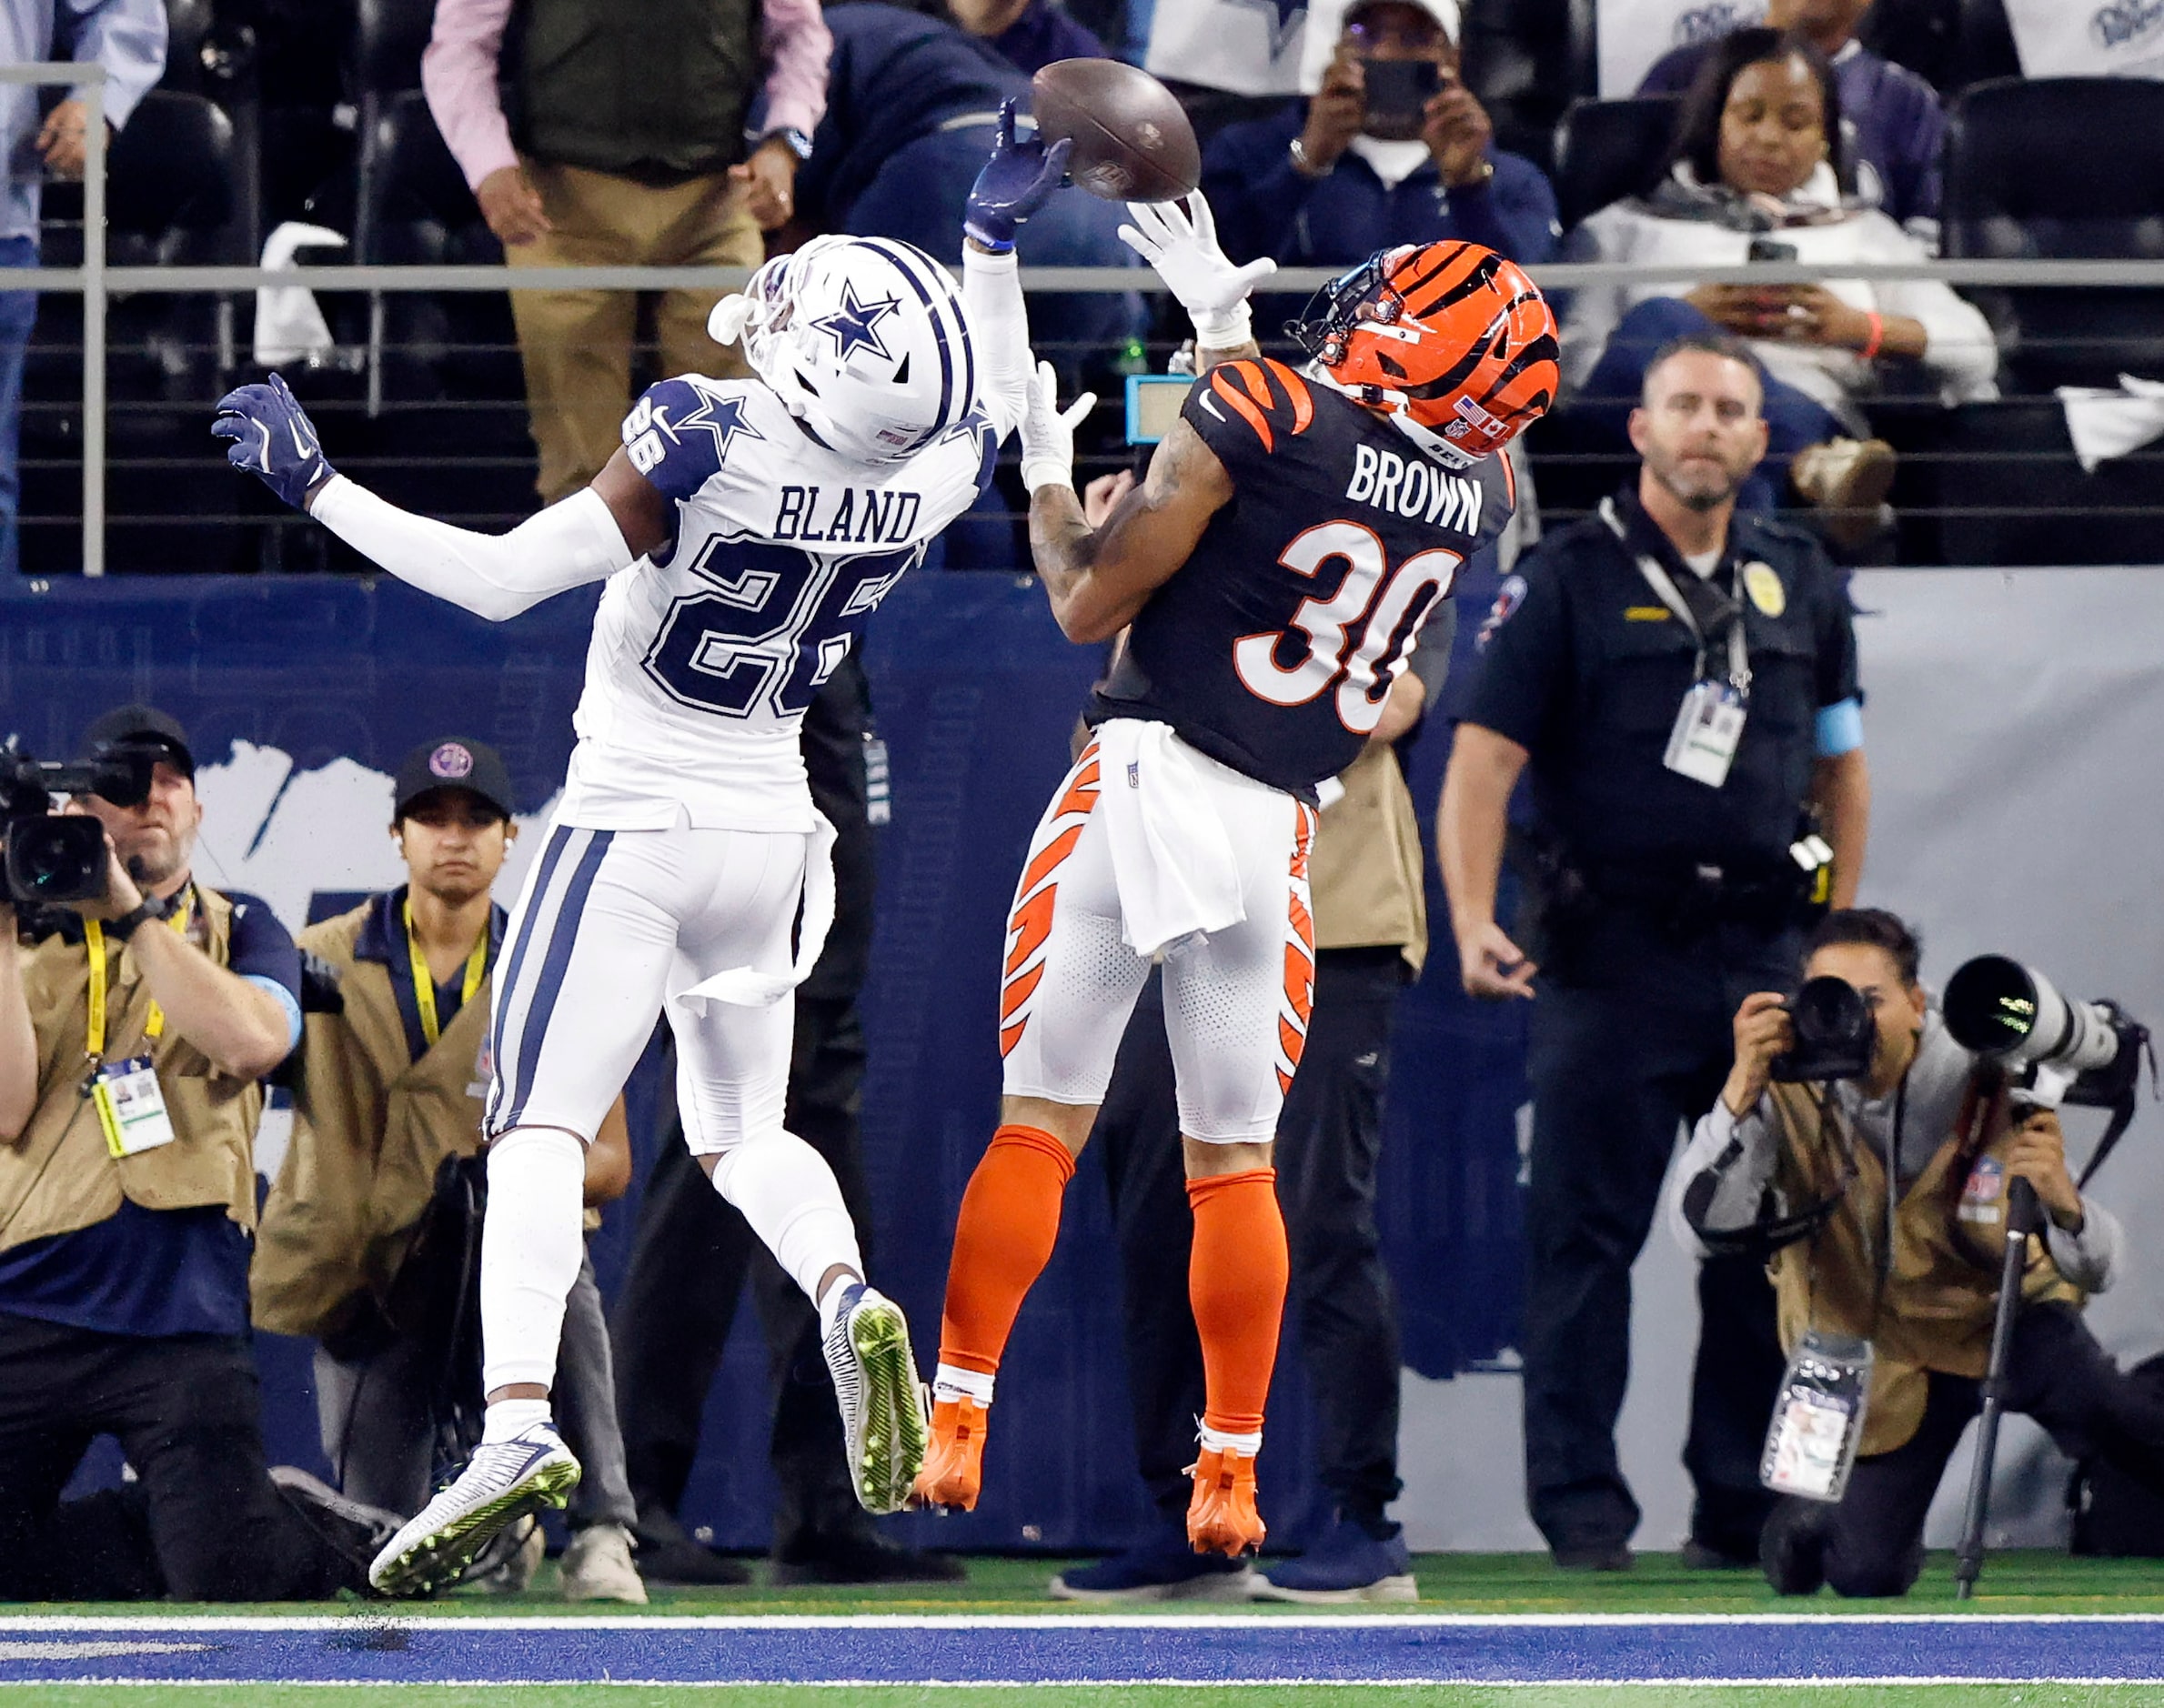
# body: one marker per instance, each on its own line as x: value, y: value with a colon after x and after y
x: 746, y: 530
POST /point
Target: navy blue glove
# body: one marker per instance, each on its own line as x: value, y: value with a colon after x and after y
x: 272, y: 438
x: 1018, y: 180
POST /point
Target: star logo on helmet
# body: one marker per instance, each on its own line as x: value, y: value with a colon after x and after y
x: 855, y: 325
x: 721, y: 415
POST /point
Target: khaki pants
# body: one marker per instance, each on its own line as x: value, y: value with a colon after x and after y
x: 577, y: 345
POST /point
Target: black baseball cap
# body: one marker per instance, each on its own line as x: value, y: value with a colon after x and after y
x: 453, y: 763
x: 140, y: 727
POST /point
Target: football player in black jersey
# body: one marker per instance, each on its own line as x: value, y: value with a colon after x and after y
x: 1271, y: 572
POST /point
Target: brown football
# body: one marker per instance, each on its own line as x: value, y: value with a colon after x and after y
x: 1132, y: 142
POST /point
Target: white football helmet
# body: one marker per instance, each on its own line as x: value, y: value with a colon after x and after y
x: 863, y: 339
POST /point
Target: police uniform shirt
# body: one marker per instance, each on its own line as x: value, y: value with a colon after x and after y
x: 1583, y: 665
x: 158, y: 1272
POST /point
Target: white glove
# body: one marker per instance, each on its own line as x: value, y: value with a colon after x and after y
x: 1184, y: 251
x: 1048, y: 432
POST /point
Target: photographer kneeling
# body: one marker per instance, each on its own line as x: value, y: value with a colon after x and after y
x: 1813, y: 1156
x: 134, y: 1027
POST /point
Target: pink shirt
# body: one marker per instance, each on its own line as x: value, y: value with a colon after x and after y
x: 459, y: 75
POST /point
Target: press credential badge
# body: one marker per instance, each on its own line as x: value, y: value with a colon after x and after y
x: 1708, y: 730
x: 131, y: 1107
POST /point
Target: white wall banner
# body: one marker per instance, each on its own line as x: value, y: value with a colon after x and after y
x: 2017, y: 806
x: 2088, y: 38
x: 1246, y: 47
x: 1632, y: 33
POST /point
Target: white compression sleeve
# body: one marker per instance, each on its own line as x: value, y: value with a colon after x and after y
x: 531, y: 1246
x: 789, y: 1196
x: 999, y: 324
x: 495, y: 576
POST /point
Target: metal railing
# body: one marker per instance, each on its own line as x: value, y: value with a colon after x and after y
x: 90, y: 279
x: 96, y: 282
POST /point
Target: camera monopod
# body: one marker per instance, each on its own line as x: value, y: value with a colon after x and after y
x: 2021, y: 1221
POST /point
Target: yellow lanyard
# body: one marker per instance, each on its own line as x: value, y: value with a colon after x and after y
x: 93, y: 937
x: 424, y: 981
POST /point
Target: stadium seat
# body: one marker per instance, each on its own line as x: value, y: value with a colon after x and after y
x: 1607, y: 150
x: 169, y: 355
x: 1527, y: 60
x: 2017, y: 189
x: 448, y: 420
x: 1923, y: 35
x: 388, y: 38
x: 1984, y: 45
x: 2009, y: 492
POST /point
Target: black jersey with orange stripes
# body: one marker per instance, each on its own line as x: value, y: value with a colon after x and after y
x: 1273, y: 648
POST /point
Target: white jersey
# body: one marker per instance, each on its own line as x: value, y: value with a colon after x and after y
x: 706, y: 654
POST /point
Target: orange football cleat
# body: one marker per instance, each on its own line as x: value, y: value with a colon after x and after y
x: 953, y: 1470
x: 1221, y: 1517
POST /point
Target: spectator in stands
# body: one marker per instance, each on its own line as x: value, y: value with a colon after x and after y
x: 1758, y: 172
x: 912, y: 106
x: 1029, y: 33
x: 367, y: 1240
x: 134, y: 1030
x: 127, y: 37
x: 1393, y: 149
x: 1897, y: 126
x: 630, y: 149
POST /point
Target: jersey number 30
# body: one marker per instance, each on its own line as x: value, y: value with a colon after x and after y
x: 1355, y: 633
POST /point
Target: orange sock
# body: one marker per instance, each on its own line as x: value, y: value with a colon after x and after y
x: 1236, y: 1279
x: 1010, y: 1223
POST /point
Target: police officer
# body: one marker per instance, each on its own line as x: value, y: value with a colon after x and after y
x: 1681, y: 681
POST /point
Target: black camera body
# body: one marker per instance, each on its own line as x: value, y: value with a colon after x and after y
x: 1835, y: 1038
x: 53, y: 857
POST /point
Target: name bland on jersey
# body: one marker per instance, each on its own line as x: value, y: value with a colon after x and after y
x: 1413, y: 487
x: 852, y: 515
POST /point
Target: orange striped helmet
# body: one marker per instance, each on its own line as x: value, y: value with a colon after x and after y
x: 1450, y: 339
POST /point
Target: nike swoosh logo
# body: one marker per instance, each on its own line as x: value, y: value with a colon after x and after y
x: 301, y: 445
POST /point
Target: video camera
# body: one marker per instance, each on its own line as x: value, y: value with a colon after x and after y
x: 1834, y: 1036
x: 53, y: 857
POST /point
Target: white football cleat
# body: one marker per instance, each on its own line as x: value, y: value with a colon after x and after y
x: 882, y: 1406
x: 503, y: 1480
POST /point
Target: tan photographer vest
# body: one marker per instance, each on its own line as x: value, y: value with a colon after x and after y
x: 1365, y: 870
x: 60, y: 1176
x: 1950, y: 1240
x: 370, y: 1127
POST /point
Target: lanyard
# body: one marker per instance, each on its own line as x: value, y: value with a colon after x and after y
x: 94, y: 939
x: 1665, y: 589
x: 424, y: 981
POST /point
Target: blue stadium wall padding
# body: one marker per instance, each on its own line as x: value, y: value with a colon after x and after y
x: 976, y: 694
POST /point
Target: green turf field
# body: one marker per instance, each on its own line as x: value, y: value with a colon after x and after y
x: 2039, y: 1583
x: 1083, y: 1696
x: 2014, y: 1583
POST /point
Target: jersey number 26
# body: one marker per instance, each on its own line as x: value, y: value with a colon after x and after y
x: 1354, y: 635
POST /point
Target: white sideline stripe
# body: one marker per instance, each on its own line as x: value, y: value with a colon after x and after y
x: 1015, y: 1622
x: 1068, y: 1684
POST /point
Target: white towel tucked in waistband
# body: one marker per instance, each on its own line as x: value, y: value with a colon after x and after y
x: 1171, y: 859
x: 746, y: 986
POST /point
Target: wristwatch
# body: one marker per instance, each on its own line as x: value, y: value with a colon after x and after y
x: 1478, y: 179
x: 1303, y: 164
x: 799, y: 143
x: 142, y: 913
